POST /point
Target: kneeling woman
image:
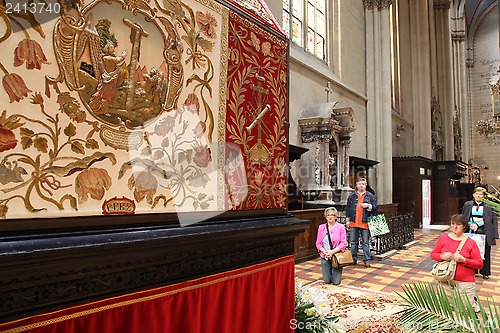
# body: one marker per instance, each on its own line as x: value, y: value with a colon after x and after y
x: 331, y: 239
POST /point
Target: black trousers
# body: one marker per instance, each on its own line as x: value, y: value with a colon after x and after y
x: 486, y: 270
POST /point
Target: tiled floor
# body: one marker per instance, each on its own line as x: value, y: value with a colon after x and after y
x: 406, y: 266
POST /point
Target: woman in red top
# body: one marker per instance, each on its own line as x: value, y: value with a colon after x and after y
x: 468, y: 259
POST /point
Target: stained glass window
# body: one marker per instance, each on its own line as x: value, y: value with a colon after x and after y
x: 286, y: 23
x: 320, y: 5
x: 298, y: 8
x: 320, y: 47
x: 297, y: 32
x: 308, y: 24
x: 286, y: 17
x: 310, y: 15
x: 310, y: 40
x: 320, y: 22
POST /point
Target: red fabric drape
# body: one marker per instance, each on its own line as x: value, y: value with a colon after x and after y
x: 256, y: 77
x: 256, y: 299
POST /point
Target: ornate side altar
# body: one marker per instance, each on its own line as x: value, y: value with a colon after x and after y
x: 142, y: 144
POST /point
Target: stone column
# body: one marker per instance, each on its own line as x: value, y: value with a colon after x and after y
x: 458, y: 38
x: 324, y: 168
x: 421, y: 78
x: 344, y: 117
x: 379, y: 106
x: 460, y: 79
x: 345, y: 141
x: 344, y: 155
x: 384, y: 183
x: 444, y: 73
x: 371, y: 87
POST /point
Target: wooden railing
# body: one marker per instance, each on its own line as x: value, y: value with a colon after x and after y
x: 400, y: 226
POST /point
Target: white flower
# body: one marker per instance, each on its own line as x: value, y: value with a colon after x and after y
x: 312, y: 307
x: 322, y: 308
x: 310, y: 311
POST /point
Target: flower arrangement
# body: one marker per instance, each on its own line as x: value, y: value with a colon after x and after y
x: 311, y: 310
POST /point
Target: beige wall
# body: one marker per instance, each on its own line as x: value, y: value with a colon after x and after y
x: 487, y: 62
x: 350, y: 42
x: 345, y: 72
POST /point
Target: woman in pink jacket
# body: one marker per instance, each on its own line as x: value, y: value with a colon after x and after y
x: 327, y: 246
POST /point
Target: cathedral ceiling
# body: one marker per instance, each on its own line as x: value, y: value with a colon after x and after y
x: 475, y: 9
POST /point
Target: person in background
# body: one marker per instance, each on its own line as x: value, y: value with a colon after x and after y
x: 482, y: 220
x: 360, y: 206
x: 328, y: 246
x: 468, y: 259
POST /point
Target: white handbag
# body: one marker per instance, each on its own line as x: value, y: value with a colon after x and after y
x: 480, y: 240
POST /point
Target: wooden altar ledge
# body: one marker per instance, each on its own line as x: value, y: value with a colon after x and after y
x: 55, y: 270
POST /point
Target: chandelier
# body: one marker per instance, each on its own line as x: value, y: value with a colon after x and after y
x: 490, y: 128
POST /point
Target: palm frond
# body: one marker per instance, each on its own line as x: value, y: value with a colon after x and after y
x: 494, y: 203
x: 427, y: 308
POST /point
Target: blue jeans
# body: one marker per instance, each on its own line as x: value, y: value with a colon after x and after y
x: 330, y: 274
x: 365, y: 243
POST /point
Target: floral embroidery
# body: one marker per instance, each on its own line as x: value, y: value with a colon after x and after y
x: 202, y: 156
x: 207, y: 24
x: 192, y: 103
x: 255, y: 41
x: 7, y: 139
x: 93, y: 181
x: 31, y: 52
x: 266, y: 49
x: 144, y: 185
x: 15, y: 87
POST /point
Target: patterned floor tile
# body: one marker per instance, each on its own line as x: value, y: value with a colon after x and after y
x: 409, y: 265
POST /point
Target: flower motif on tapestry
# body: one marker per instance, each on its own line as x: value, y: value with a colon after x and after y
x: 122, y: 67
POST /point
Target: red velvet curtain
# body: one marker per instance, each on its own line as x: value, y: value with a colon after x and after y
x: 256, y: 299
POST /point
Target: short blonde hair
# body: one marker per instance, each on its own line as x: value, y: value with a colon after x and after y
x: 331, y: 210
x: 480, y: 189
